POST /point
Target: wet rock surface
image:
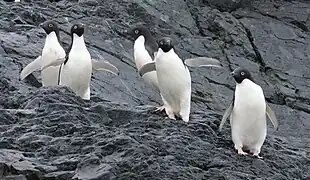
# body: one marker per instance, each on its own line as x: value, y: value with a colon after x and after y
x: 49, y: 133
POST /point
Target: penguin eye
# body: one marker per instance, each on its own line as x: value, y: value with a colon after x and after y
x: 50, y: 25
x: 75, y: 27
x: 136, y: 31
x: 161, y: 43
x: 242, y: 73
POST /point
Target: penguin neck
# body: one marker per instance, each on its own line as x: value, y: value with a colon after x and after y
x: 52, y: 38
x: 77, y: 43
x: 246, y: 83
x: 139, y: 43
x: 171, y: 51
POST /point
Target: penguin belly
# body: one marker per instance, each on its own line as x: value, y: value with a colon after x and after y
x: 151, y: 79
x: 76, y: 74
x: 141, y: 58
x: 248, y: 118
x: 174, y: 81
x: 50, y: 76
x: 52, y: 52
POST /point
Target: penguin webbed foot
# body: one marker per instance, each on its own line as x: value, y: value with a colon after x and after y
x: 257, y: 156
x: 160, y: 109
x: 172, y: 117
x: 241, y: 152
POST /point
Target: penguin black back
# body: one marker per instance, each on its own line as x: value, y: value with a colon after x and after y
x: 240, y: 74
x: 150, y: 42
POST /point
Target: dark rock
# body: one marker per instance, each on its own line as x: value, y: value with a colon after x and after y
x: 15, y: 177
x: 50, y: 133
x: 88, y: 2
x: 60, y: 175
x: 90, y: 172
x: 227, y: 5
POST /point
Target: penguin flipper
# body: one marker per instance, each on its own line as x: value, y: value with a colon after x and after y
x: 202, y: 62
x: 148, y: 67
x: 105, y: 66
x: 58, y: 62
x: 271, y: 115
x: 31, y: 67
x: 225, y: 116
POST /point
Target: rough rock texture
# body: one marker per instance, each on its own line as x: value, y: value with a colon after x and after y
x: 49, y: 133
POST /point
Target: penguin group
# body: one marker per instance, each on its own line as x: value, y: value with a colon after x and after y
x: 164, y: 71
x: 72, y: 68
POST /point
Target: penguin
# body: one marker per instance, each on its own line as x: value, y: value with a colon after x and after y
x: 77, y: 68
x: 53, y: 55
x: 145, y: 49
x: 174, y: 78
x: 247, y: 113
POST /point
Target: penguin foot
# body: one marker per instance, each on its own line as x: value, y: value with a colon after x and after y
x: 242, y: 152
x: 185, y: 119
x: 173, y: 118
x: 160, y: 109
x: 170, y: 118
x: 257, y: 156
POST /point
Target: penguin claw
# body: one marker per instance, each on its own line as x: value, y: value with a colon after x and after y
x: 161, y: 108
x: 242, y: 153
x: 257, y: 156
x: 173, y: 118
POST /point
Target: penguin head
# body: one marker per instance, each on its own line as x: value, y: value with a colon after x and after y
x: 77, y: 29
x: 165, y: 43
x: 240, y: 74
x: 137, y: 31
x: 50, y: 26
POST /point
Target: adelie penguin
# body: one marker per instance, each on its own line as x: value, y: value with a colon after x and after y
x: 77, y: 68
x: 145, y: 49
x: 247, y: 113
x: 52, y: 56
x: 174, y: 78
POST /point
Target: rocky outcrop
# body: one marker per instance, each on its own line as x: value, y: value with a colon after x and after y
x: 49, y: 133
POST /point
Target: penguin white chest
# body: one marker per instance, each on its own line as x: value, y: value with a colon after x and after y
x: 76, y: 73
x: 248, y: 118
x: 52, y: 50
x: 51, y: 53
x: 142, y: 57
x: 174, y: 80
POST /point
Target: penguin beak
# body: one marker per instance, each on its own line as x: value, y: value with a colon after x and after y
x: 232, y: 73
x: 41, y: 25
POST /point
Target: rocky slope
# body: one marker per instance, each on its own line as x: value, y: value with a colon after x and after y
x: 49, y: 133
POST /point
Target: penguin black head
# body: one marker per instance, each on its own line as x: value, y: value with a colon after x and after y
x: 50, y: 26
x: 77, y: 29
x: 139, y: 30
x: 165, y: 43
x: 240, y: 74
